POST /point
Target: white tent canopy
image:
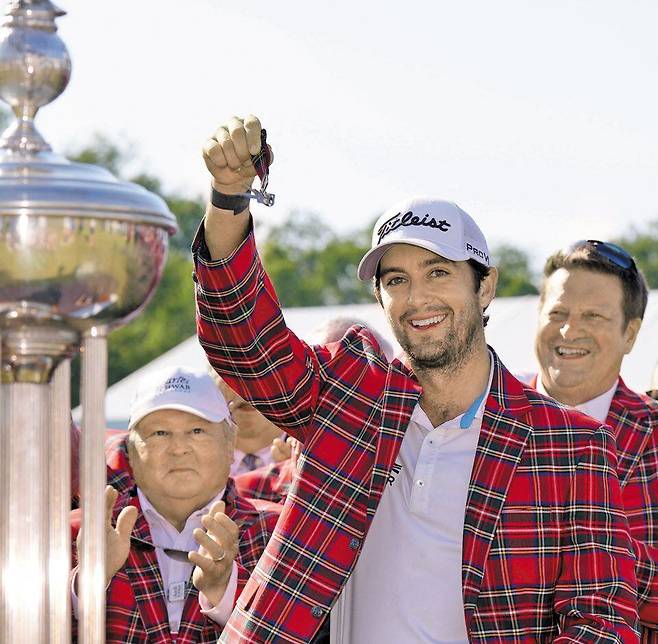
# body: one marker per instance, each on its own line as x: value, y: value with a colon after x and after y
x: 510, y: 331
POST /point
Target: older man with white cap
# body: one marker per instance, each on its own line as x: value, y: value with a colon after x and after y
x: 184, y: 543
x: 437, y: 499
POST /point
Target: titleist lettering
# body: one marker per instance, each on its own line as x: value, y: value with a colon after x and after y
x: 409, y: 219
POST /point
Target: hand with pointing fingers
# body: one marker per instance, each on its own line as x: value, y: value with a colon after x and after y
x: 218, y: 547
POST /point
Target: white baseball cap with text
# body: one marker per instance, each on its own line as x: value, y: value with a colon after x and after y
x: 179, y: 388
x: 435, y: 225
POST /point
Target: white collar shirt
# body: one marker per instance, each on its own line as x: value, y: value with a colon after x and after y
x: 176, y: 575
x: 407, y: 583
x: 263, y: 457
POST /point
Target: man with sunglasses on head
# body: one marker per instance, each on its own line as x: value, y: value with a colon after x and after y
x: 592, y: 302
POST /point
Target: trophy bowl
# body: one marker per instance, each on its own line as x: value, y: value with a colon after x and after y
x: 76, y: 244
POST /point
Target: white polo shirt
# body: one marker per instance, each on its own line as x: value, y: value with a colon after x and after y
x: 407, y: 584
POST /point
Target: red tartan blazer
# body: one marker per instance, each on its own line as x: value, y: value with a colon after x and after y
x: 546, y: 553
x: 633, y: 418
x: 136, y: 608
x: 268, y: 483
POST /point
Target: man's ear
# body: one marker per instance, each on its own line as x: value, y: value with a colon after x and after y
x: 630, y: 334
x: 376, y: 286
x: 487, y: 290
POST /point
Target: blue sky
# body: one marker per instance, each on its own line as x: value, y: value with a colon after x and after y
x: 539, y: 118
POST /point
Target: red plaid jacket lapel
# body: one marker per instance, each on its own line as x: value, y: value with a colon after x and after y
x: 503, y: 437
x: 401, y: 394
x: 634, y: 419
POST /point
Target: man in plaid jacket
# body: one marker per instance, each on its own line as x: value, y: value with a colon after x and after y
x: 592, y: 303
x: 439, y: 500
x: 169, y: 487
x: 270, y: 482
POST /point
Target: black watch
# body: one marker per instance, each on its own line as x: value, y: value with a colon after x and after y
x: 236, y: 203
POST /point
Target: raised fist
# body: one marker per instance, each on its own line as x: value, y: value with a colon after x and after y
x: 227, y: 154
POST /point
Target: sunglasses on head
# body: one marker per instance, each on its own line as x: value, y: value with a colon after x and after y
x: 612, y: 253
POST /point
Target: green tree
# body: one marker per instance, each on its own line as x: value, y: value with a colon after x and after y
x: 103, y: 152
x: 167, y: 320
x: 312, y: 265
x: 643, y: 245
x: 514, y: 274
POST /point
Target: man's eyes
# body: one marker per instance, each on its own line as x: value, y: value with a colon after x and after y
x: 557, y: 315
x: 162, y: 433
x: 436, y: 272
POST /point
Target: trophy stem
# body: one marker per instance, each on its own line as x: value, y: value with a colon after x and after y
x: 59, y: 556
x: 24, y: 462
x: 92, y: 481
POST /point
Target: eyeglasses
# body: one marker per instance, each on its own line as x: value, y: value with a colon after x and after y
x: 614, y: 254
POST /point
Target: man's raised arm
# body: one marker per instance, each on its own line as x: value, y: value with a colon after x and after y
x: 227, y: 155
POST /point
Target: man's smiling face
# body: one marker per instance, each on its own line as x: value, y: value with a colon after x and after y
x: 582, y: 336
x: 432, y: 305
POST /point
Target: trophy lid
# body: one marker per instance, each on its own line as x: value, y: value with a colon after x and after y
x: 35, y: 69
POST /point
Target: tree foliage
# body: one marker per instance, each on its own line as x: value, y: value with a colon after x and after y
x: 312, y: 265
x: 514, y: 274
x: 643, y: 246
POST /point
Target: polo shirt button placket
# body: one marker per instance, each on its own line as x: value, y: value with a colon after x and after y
x: 316, y: 611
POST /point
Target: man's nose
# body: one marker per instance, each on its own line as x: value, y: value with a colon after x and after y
x: 179, y: 443
x: 570, y: 330
x: 417, y: 293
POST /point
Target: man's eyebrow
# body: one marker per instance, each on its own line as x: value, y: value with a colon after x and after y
x: 424, y: 264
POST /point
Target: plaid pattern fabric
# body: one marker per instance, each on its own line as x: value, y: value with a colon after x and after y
x: 547, y: 554
x: 633, y: 418
x: 136, y: 608
x: 268, y: 483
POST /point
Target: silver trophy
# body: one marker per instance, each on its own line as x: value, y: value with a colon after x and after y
x: 80, y: 252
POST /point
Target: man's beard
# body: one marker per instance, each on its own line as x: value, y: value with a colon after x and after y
x: 450, y: 353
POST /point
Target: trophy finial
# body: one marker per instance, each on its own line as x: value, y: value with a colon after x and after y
x: 34, y: 69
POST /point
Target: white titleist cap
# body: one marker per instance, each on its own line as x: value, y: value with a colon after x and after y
x: 180, y: 388
x: 439, y: 226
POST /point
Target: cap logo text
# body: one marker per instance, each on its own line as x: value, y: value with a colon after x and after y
x: 178, y: 383
x: 476, y: 251
x: 409, y: 219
